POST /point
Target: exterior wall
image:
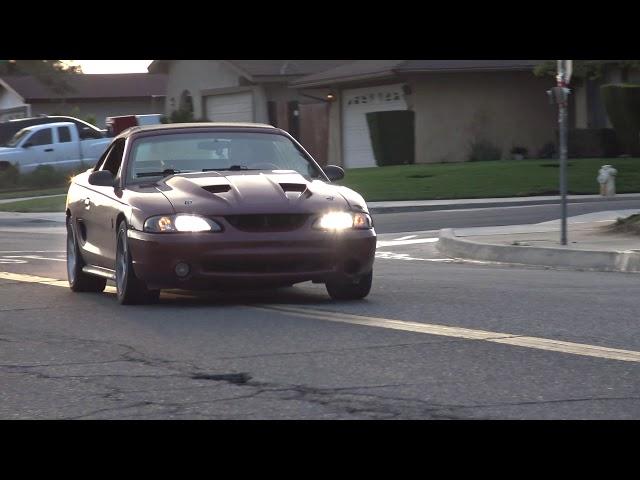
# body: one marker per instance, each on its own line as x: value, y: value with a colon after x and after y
x: 506, y: 108
x: 99, y: 109
x: 581, y: 108
x: 195, y: 76
x: 334, y: 153
x: 9, y: 99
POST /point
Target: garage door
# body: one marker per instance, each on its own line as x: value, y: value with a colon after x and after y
x: 233, y: 107
x: 356, y: 103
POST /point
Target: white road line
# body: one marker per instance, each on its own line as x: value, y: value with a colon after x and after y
x: 392, y: 243
x: 32, y: 251
x: 33, y: 257
x: 406, y: 238
x: 537, y: 343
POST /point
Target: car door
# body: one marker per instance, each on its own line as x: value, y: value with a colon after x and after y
x: 102, y: 208
x: 40, y: 148
x: 66, y: 150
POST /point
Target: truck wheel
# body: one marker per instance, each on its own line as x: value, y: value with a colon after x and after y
x: 348, y: 289
x: 78, y: 280
x: 130, y: 289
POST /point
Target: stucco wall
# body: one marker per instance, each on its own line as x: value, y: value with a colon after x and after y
x: 9, y: 99
x: 507, y: 108
x: 195, y: 76
x: 99, y: 109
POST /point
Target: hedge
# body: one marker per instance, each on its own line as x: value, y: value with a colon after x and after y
x: 623, y: 107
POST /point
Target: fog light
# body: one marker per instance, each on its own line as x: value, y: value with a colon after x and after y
x: 182, y: 269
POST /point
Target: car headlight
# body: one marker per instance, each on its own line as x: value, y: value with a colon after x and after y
x: 180, y: 223
x: 343, y: 221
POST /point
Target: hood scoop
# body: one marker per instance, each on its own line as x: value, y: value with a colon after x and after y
x: 217, y: 188
x: 294, y: 191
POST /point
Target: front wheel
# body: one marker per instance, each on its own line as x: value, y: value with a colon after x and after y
x: 130, y: 290
x: 79, y: 281
x: 350, y: 289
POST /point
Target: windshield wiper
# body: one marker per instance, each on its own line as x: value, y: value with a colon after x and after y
x: 231, y: 168
x: 164, y: 173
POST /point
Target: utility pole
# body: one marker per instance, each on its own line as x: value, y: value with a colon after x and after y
x: 560, y: 96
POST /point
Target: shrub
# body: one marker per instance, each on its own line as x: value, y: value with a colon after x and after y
x: 484, y: 150
x: 520, y: 151
x: 623, y: 107
x: 548, y: 150
x: 592, y: 143
x: 392, y: 137
x: 44, y: 176
x: 9, y: 175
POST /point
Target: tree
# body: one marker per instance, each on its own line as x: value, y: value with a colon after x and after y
x: 49, y: 72
x: 589, y: 69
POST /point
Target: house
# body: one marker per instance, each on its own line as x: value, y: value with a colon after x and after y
x: 96, y: 95
x: 455, y: 103
x: 251, y: 91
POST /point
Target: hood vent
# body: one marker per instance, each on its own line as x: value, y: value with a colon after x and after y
x: 294, y: 191
x: 217, y: 188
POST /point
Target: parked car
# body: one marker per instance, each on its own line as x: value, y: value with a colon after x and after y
x: 205, y: 206
x: 9, y: 128
x: 115, y: 125
x: 57, y: 144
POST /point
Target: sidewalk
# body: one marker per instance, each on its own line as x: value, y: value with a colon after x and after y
x: 22, y: 199
x: 590, y: 247
x: 432, y: 205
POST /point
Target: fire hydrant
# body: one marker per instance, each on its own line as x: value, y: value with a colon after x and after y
x: 607, y: 180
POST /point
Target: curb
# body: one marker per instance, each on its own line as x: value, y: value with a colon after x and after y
x: 596, y: 260
x: 489, y: 204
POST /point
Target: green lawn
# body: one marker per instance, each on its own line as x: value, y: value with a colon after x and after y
x: 508, y: 178
x: 51, y: 204
x: 32, y: 193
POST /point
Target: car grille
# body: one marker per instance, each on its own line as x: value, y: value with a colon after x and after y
x: 267, y: 223
x: 268, y: 266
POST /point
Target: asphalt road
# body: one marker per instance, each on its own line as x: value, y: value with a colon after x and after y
x: 436, y: 339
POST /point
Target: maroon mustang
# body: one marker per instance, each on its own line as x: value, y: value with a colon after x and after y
x: 210, y: 205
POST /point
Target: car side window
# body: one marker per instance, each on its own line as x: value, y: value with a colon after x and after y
x: 64, y: 135
x: 41, y: 137
x: 114, y: 157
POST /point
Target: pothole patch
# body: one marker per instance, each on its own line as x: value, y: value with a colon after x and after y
x: 235, y: 378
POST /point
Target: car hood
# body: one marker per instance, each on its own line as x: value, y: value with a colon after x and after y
x: 233, y: 193
x: 7, y: 150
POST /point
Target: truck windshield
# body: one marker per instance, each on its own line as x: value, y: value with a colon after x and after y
x: 216, y: 151
x: 17, y: 137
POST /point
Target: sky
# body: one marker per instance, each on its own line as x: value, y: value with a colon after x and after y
x: 113, y: 66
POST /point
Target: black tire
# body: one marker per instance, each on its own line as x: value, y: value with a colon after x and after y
x: 79, y: 281
x: 130, y: 290
x: 350, y: 289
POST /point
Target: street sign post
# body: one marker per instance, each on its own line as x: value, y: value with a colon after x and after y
x: 565, y: 68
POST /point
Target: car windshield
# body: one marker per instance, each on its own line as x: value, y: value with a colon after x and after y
x: 17, y: 137
x: 155, y: 157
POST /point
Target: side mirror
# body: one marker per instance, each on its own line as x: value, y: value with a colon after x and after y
x: 102, y: 178
x: 334, y: 172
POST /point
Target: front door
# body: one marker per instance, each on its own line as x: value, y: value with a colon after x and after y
x: 102, y: 210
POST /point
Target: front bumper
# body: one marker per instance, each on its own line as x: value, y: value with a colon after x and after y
x: 233, y: 258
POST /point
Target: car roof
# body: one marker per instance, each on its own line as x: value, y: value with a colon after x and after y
x: 49, y: 125
x: 181, y: 126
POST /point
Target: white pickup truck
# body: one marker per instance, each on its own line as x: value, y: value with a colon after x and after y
x: 56, y: 144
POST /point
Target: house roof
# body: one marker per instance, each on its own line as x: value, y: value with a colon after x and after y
x: 126, y: 85
x: 267, y: 68
x: 374, y: 69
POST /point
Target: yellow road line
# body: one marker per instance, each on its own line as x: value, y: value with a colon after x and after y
x: 537, y: 343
